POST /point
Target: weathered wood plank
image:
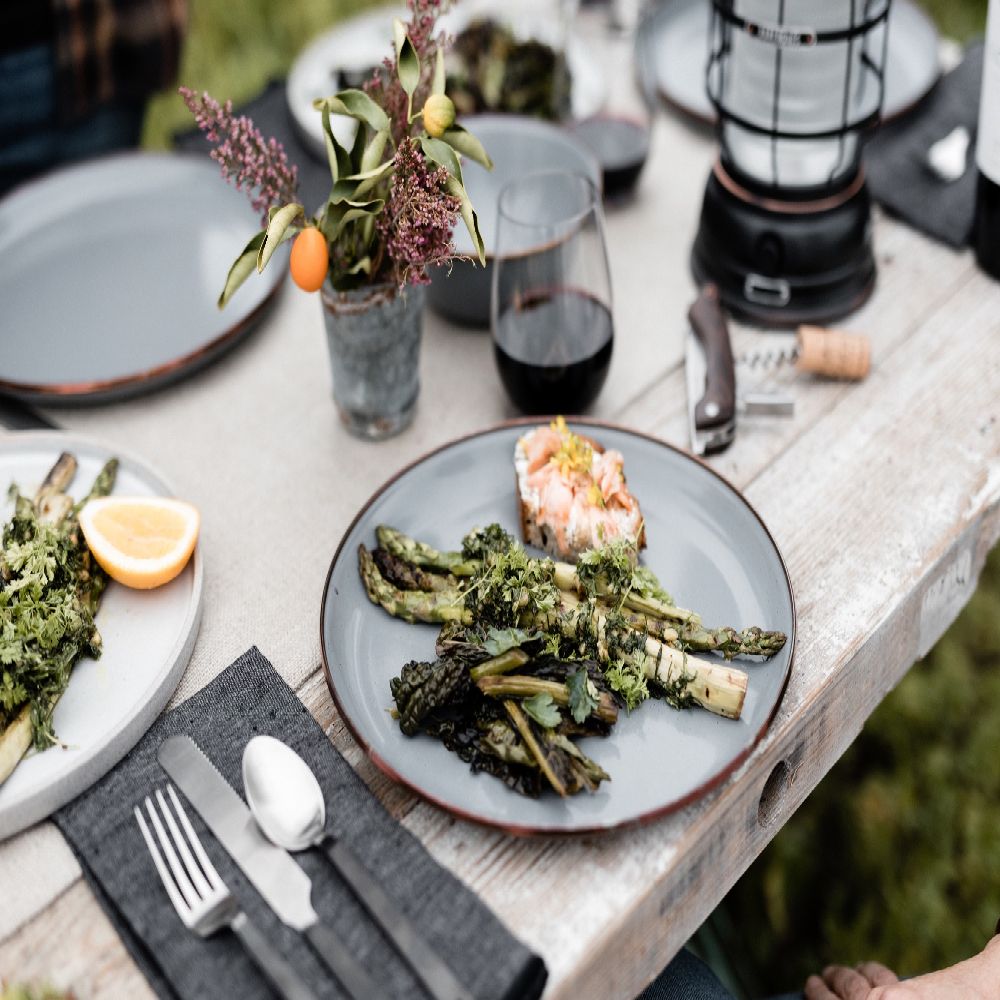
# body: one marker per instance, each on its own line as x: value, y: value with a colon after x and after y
x: 73, y: 945
x: 916, y: 275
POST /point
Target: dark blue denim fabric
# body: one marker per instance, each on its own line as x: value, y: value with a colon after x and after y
x: 687, y: 977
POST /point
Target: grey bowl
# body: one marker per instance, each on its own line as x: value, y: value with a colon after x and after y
x: 518, y: 146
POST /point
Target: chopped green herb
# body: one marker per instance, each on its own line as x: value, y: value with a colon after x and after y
x: 501, y: 640
x: 582, y: 695
x: 50, y: 587
x: 543, y: 710
x: 646, y: 584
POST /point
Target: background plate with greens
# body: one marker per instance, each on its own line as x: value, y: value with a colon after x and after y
x: 148, y: 638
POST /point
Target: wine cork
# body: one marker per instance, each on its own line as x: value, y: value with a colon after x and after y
x: 833, y: 353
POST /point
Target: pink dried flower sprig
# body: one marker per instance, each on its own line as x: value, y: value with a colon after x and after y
x: 250, y: 162
x: 418, y: 219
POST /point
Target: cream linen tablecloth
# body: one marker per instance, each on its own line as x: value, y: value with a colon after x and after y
x: 255, y: 443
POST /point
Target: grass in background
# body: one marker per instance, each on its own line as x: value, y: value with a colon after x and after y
x: 234, y: 48
x: 961, y: 19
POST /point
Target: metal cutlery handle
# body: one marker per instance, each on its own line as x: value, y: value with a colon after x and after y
x: 717, y: 407
x: 440, y: 981
x: 341, y: 962
x: 270, y: 961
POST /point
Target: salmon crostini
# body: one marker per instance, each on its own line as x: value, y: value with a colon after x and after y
x: 572, y: 493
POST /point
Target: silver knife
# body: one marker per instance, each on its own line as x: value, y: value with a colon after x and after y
x: 285, y: 887
x: 710, y: 372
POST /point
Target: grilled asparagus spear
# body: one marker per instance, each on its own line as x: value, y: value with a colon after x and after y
x: 49, y: 592
x: 687, y: 679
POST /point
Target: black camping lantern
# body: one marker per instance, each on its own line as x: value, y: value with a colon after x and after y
x: 797, y: 85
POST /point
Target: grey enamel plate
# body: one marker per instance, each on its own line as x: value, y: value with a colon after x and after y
x: 708, y: 547
x: 111, y: 273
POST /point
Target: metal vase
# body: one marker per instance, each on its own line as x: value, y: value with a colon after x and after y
x: 374, y: 338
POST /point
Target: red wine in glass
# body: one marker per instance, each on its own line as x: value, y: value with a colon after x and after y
x: 553, y: 350
x: 621, y: 146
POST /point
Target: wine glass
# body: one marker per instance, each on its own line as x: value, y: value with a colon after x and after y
x: 550, y: 308
x: 618, y: 134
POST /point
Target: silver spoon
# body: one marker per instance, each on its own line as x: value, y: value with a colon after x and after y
x: 287, y: 802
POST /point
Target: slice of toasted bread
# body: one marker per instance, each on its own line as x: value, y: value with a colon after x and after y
x: 572, y: 494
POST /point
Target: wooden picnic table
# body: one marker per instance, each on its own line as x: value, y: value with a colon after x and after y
x: 882, y: 497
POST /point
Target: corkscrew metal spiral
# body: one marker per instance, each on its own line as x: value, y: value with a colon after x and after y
x: 770, y: 359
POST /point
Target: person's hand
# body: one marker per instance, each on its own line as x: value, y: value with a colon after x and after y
x: 977, y: 978
x: 860, y: 983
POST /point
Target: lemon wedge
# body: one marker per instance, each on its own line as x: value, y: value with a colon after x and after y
x: 142, y: 542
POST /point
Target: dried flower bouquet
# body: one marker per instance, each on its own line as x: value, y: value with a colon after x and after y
x: 397, y: 192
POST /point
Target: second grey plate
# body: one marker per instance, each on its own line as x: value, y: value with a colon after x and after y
x: 112, y: 269
x: 709, y: 548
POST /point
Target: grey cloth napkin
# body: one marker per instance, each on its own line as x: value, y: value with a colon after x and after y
x: 896, y: 158
x: 246, y: 699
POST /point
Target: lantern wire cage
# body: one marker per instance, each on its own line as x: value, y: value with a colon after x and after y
x: 796, y: 93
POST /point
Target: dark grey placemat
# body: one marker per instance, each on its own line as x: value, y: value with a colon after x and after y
x: 246, y: 699
x: 896, y: 158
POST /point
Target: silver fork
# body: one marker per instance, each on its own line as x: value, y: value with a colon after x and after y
x: 200, y: 897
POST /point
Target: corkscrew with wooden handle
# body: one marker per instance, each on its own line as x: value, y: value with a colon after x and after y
x: 713, y: 401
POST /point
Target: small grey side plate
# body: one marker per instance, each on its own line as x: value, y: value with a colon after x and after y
x: 112, y: 269
x: 518, y: 146
x: 148, y: 638
x: 709, y: 548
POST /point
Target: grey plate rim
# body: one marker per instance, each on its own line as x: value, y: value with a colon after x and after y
x: 119, y: 741
x: 643, y: 818
x: 137, y: 383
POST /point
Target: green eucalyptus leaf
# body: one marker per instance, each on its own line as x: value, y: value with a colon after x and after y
x: 352, y: 215
x: 437, y: 85
x: 443, y: 155
x: 363, y: 265
x: 372, y: 155
x: 469, y: 217
x: 367, y: 228
x: 357, y: 104
x: 375, y: 172
x: 358, y: 148
x: 338, y: 216
x: 338, y: 157
x: 407, y: 60
x: 242, y: 268
x: 368, y: 185
x: 342, y: 190
x: 464, y: 142
x: 274, y: 235
x: 346, y: 194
